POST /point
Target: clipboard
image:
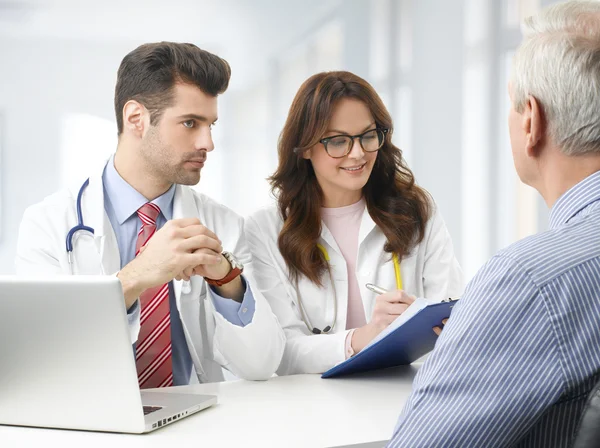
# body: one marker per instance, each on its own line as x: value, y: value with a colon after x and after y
x: 404, y: 343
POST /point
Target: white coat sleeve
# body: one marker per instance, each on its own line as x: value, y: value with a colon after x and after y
x: 254, y: 351
x: 442, y: 275
x: 304, y: 352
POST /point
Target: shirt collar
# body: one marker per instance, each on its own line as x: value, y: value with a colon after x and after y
x: 575, y: 200
x: 126, y: 200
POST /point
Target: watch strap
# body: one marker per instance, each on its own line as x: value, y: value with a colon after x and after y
x: 229, y: 277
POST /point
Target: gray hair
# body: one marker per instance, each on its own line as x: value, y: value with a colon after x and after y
x: 558, y: 63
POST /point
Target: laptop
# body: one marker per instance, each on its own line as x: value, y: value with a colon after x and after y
x: 66, y: 359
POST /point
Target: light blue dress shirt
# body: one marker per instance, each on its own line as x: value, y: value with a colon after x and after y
x: 121, y: 202
x: 521, y: 351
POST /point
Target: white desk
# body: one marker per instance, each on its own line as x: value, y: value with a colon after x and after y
x: 293, y: 411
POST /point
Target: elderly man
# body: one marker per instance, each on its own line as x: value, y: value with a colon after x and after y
x: 517, y: 359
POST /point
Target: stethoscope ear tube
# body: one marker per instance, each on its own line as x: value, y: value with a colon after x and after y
x: 328, y: 328
x: 304, y: 315
x: 80, y: 225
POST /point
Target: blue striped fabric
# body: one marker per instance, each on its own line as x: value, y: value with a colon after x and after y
x: 519, y: 355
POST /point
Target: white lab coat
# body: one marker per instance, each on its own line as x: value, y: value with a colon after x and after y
x: 430, y: 271
x: 252, y: 352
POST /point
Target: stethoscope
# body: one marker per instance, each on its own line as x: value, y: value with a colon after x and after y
x: 186, y: 285
x: 79, y: 227
x: 328, y: 328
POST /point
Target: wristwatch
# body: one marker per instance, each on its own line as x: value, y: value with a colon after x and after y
x: 236, y: 269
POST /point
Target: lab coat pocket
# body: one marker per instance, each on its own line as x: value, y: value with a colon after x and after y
x: 192, y: 312
x: 193, y: 290
x: 86, y: 259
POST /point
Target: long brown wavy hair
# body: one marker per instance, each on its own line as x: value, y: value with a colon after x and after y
x: 396, y: 204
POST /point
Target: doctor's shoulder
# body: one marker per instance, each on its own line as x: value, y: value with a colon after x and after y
x: 59, y: 208
x: 429, y: 227
x: 44, y: 226
x: 264, y: 224
x: 217, y: 217
x: 52, y: 207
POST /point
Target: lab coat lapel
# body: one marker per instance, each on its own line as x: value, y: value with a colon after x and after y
x: 184, y: 206
x: 190, y: 309
x: 94, y: 216
x: 329, y: 239
x: 339, y: 272
x: 366, y: 226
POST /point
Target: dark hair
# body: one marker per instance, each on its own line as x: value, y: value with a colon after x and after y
x: 397, y: 205
x: 149, y: 73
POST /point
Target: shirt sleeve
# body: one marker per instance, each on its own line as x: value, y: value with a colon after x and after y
x: 494, y: 370
x: 133, y: 313
x: 348, y: 350
x: 237, y: 313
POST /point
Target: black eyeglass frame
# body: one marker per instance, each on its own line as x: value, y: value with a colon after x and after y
x: 326, y: 140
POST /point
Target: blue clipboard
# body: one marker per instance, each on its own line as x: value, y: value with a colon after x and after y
x: 407, y: 343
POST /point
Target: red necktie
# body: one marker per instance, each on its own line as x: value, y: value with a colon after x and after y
x: 153, y: 350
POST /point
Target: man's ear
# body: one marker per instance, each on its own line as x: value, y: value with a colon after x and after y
x: 135, y: 118
x: 533, y: 125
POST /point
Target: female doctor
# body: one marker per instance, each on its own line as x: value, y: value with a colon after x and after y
x: 348, y: 213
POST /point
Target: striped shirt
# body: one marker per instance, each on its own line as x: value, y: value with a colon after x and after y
x: 517, y: 359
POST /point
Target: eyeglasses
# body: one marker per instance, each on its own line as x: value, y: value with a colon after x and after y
x: 338, y: 146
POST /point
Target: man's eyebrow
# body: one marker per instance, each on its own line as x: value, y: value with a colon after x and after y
x: 196, y: 117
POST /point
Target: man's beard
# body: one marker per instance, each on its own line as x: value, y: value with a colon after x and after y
x: 159, y: 157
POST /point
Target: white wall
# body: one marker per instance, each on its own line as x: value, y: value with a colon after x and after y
x: 41, y: 82
x: 437, y: 105
x: 444, y: 88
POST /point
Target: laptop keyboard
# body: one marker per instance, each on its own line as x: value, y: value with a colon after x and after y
x: 151, y: 409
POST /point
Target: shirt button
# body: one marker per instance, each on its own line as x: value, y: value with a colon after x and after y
x: 244, y: 310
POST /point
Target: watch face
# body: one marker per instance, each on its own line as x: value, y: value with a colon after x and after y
x: 234, y: 261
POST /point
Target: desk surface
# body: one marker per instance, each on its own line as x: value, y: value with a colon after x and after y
x: 291, y: 411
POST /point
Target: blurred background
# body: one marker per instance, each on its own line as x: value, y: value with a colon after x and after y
x: 440, y: 66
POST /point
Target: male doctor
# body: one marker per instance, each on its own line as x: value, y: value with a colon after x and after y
x: 178, y: 254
